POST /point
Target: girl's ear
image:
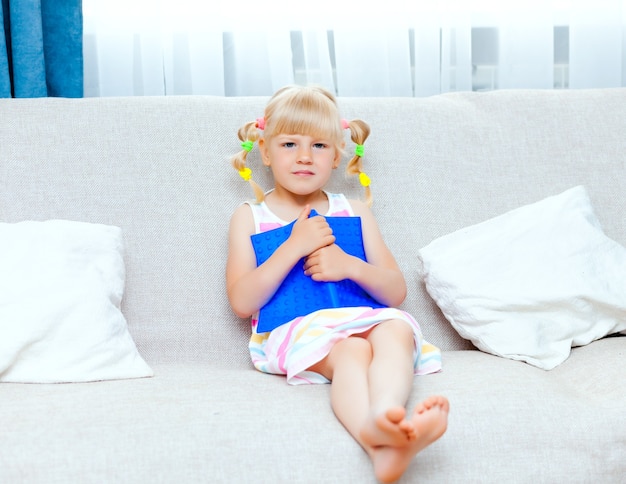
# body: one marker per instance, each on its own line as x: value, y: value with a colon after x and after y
x: 338, y: 152
x: 265, y: 155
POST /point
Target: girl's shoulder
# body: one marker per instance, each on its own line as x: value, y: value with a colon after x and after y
x: 243, y: 210
x: 359, y: 207
x: 242, y: 218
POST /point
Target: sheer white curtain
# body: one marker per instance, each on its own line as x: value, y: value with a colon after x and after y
x: 173, y: 47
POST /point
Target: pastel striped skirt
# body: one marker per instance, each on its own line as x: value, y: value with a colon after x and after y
x: 295, y: 346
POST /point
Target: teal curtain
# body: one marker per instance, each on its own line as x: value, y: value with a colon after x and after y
x: 41, y: 48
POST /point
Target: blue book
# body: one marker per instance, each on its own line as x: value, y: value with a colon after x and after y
x: 299, y: 295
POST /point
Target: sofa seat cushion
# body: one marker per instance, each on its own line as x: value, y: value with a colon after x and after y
x: 193, y: 423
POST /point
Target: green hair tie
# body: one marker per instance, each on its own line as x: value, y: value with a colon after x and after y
x: 247, y: 145
x: 359, y: 150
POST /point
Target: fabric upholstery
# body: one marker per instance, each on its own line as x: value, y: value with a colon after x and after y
x: 159, y: 169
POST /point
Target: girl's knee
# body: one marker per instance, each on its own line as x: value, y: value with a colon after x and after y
x: 392, y: 332
x: 354, y: 347
x: 396, y: 326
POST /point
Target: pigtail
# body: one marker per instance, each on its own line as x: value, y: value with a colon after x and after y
x: 248, y: 134
x: 359, y: 131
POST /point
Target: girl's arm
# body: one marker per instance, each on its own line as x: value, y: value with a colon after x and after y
x: 249, y: 287
x: 380, y: 276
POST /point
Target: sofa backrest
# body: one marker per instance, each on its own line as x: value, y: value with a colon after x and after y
x: 158, y: 167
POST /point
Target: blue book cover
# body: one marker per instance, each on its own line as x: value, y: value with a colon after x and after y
x: 299, y: 295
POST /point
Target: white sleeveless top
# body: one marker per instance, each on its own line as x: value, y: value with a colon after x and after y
x: 265, y: 219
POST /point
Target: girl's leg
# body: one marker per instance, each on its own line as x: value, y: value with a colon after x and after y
x: 390, y: 379
x: 347, y: 367
x: 371, y: 379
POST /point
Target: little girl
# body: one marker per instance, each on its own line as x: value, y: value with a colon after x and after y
x: 369, y: 355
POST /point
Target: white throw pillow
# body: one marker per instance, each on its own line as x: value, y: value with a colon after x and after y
x: 61, y: 285
x: 532, y: 283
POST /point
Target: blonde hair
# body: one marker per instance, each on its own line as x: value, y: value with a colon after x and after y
x: 296, y: 110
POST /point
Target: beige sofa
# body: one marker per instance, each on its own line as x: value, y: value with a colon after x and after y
x: 158, y: 169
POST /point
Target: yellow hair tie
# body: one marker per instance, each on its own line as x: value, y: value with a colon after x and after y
x: 364, y: 179
x: 246, y: 174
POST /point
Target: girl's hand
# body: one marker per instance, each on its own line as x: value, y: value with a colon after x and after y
x: 328, y: 264
x: 310, y: 234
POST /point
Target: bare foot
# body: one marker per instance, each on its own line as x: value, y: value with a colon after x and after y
x: 389, y: 428
x: 430, y: 419
x: 430, y: 402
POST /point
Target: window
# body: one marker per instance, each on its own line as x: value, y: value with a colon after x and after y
x: 158, y: 47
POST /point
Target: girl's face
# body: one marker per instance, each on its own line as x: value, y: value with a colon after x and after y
x: 301, y: 164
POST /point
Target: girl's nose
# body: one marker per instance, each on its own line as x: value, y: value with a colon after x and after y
x: 304, y: 155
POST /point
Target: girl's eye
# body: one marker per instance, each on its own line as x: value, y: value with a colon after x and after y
x: 319, y: 146
x: 289, y: 144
